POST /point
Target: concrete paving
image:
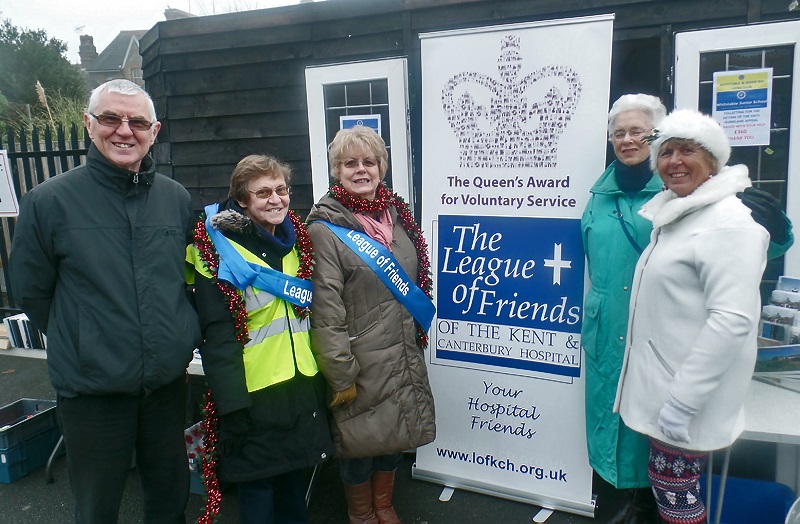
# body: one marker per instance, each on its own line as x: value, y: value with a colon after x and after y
x: 32, y: 500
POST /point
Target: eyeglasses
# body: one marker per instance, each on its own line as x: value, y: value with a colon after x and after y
x: 635, y: 133
x: 266, y: 192
x: 352, y: 163
x: 137, y: 124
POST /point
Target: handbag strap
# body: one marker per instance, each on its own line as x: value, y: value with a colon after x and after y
x: 625, y: 229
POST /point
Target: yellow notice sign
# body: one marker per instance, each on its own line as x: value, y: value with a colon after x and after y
x: 738, y: 82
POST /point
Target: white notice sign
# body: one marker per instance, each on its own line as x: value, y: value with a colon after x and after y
x: 9, y: 207
x: 743, y: 105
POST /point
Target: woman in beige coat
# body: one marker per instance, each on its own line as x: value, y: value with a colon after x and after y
x: 367, y: 344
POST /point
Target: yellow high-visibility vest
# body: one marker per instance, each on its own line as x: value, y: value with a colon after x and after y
x: 279, y: 340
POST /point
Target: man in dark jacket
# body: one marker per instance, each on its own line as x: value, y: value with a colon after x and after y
x: 97, y: 263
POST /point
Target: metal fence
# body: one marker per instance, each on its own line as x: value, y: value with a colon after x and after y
x: 35, y: 156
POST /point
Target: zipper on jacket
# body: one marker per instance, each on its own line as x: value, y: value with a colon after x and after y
x: 637, y: 280
x: 369, y: 328
x: 136, y: 178
x: 661, y: 358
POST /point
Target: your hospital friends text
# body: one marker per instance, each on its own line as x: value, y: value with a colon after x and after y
x: 499, y: 412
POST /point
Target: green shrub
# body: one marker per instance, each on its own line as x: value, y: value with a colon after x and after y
x: 63, y: 110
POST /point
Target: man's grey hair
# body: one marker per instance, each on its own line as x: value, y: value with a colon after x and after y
x: 120, y: 85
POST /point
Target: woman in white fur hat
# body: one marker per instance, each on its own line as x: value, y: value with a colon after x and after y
x: 695, y: 303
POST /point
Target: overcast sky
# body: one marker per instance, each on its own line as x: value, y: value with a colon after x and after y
x: 104, y: 19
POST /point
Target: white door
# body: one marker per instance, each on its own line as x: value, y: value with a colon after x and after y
x: 373, y: 88
x: 774, y: 167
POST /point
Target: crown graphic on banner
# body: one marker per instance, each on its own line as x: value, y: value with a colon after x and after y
x: 524, y: 119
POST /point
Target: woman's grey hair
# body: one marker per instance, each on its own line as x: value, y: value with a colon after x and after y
x: 252, y: 167
x: 357, y: 138
x: 650, y: 105
x: 120, y: 85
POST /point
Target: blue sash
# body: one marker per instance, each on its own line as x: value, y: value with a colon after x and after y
x: 387, y: 268
x: 241, y: 273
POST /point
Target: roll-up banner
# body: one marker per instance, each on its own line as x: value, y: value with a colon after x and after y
x: 514, y: 135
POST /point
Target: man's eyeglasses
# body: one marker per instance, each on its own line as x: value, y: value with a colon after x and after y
x: 352, y: 163
x: 635, y: 133
x: 137, y: 124
x: 266, y: 192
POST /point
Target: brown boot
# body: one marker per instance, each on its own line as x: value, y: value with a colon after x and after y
x: 382, y: 487
x: 359, y: 503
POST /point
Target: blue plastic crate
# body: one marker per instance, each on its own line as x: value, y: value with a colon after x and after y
x: 17, y: 461
x: 25, y: 418
x: 749, y: 501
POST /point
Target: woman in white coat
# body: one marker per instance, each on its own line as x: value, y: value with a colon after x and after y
x: 695, y: 303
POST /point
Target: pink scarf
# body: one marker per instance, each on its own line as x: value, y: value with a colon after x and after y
x: 380, y: 230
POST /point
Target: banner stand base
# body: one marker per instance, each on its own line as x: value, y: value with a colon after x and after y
x: 447, y: 492
x: 546, y: 502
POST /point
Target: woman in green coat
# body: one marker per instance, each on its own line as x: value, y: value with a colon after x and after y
x: 614, y: 235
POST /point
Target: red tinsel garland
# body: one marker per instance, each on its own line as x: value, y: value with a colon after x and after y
x: 383, y: 199
x: 236, y: 305
x: 305, y: 253
x: 209, y: 464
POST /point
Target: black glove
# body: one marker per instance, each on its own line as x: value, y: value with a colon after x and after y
x: 766, y: 210
x: 232, y: 435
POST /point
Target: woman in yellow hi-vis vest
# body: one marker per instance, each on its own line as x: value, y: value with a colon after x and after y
x: 252, y: 269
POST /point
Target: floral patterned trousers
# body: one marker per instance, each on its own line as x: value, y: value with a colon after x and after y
x: 675, y: 476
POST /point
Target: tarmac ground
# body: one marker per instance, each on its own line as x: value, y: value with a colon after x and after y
x: 31, y: 499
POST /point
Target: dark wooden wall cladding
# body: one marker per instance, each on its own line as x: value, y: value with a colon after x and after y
x: 226, y: 86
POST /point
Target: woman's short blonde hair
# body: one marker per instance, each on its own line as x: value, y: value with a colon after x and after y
x: 252, y: 167
x: 358, y: 138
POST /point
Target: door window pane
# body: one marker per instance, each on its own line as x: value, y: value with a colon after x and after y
x: 710, y: 62
x: 781, y: 101
x: 334, y: 95
x: 749, y: 59
x: 780, y: 60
